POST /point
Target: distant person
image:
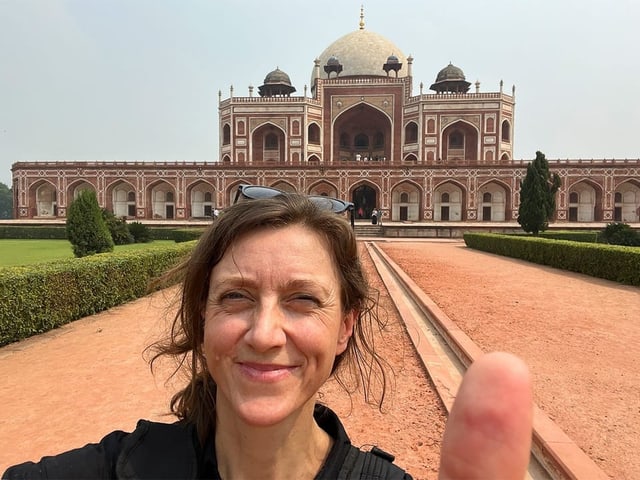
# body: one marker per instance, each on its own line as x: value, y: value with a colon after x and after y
x: 374, y: 216
x: 274, y: 301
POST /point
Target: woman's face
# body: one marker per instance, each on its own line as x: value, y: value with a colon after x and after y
x: 273, y: 324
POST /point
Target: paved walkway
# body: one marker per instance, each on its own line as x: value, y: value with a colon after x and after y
x: 70, y: 386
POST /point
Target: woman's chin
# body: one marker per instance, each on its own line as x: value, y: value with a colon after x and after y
x: 267, y: 412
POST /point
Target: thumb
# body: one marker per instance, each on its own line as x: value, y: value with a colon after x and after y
x: 488, y: 433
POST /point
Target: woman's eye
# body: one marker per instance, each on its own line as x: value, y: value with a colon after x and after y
x: 234, y: 295
x: 305, y: 298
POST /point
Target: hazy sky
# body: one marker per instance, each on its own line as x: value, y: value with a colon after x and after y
x: 139, y: 79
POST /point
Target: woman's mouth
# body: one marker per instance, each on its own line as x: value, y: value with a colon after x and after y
x: 265, y: 372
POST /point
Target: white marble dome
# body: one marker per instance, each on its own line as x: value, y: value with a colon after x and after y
x: 361, y: 53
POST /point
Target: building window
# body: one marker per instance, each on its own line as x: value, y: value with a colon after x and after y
x: 411, y: 133
x: 506, y: 131
x: 486, y: 197
x: 226, y: 134
x: 271, y: 142
x: 456, y: 139
x: 314, y: 134
x: 378, y: 140
x: 361, y: 141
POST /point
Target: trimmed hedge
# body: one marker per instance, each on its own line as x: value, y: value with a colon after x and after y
x: 38, y: 298
x: 59, y: 232
x: 48, y: 232
x: 575, y: 236
x: 177, y: 234
x: 611, y: 262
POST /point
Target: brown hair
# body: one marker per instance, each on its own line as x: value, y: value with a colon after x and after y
x: 359, y: 365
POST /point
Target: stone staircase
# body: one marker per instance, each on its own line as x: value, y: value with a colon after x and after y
x: 368, y: 230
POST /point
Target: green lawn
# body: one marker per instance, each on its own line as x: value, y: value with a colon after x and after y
x: 29, y: 252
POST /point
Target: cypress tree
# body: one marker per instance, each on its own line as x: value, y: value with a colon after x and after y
x: 86, y: 228
x: 537, y: 196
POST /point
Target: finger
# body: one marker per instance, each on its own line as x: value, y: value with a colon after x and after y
x: 488, y: 433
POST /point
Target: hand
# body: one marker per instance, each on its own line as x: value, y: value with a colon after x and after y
x: 488, y: 433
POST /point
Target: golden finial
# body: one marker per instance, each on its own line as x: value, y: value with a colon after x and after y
x: 361, y: 17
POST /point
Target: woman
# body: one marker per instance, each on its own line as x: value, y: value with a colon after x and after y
x: 274, y: 302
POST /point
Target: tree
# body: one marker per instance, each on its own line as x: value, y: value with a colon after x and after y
x: 537, y: 196
x: 6, y: 201
x: 86, y: 229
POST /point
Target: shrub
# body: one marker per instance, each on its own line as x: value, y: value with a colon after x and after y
x: 612, y: 262
x: 140, y: 232
x: 40, y: 297
x: 117, y: 228
x: 86, y: 229
x: 618, y: 233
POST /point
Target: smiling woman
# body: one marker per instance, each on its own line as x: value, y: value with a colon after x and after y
x: 275, y: 302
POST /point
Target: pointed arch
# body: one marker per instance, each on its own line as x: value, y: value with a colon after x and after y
x: 121, y: 198
x: 284, y: 186
x: 460, y: 143
x: 314, y: 133
x: 268, y: 143
x: 406, y: 198
x: 494, y: 204
x: 627, y: 201
x: 505, y: 131
x: 585, y: 201
x: 43, y: 199
x: 362, y: 132
x: 324, y: 188
x: 411, y: 132
x: 201, y: 199
x: 226, y: 134
x: 449, y: 198
x: 365, y: 196
x: 161, y: 200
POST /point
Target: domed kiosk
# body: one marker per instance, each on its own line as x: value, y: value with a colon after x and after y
x: 451, y: 79
x: 276, y: 83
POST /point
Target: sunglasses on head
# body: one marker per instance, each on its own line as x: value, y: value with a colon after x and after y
x: 255, y: 192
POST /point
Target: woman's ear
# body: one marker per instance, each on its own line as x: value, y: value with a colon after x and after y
x: 346, y: 330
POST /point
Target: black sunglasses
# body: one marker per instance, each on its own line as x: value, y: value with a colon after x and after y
x: 255, y: 192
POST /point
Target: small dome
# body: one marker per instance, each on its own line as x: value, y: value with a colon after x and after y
x: 450, y: 72
x: 392, y: 59
x: 451, y: 79
x: 333, y: 60
x: 277, y: 77
x: 276, y: 84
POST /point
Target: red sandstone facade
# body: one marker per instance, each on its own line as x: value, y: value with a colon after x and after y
x: 360, y: 135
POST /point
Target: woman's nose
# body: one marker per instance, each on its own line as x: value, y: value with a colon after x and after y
x: 266, y: 329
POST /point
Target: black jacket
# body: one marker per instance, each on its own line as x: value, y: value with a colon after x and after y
x: 172, y: 451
